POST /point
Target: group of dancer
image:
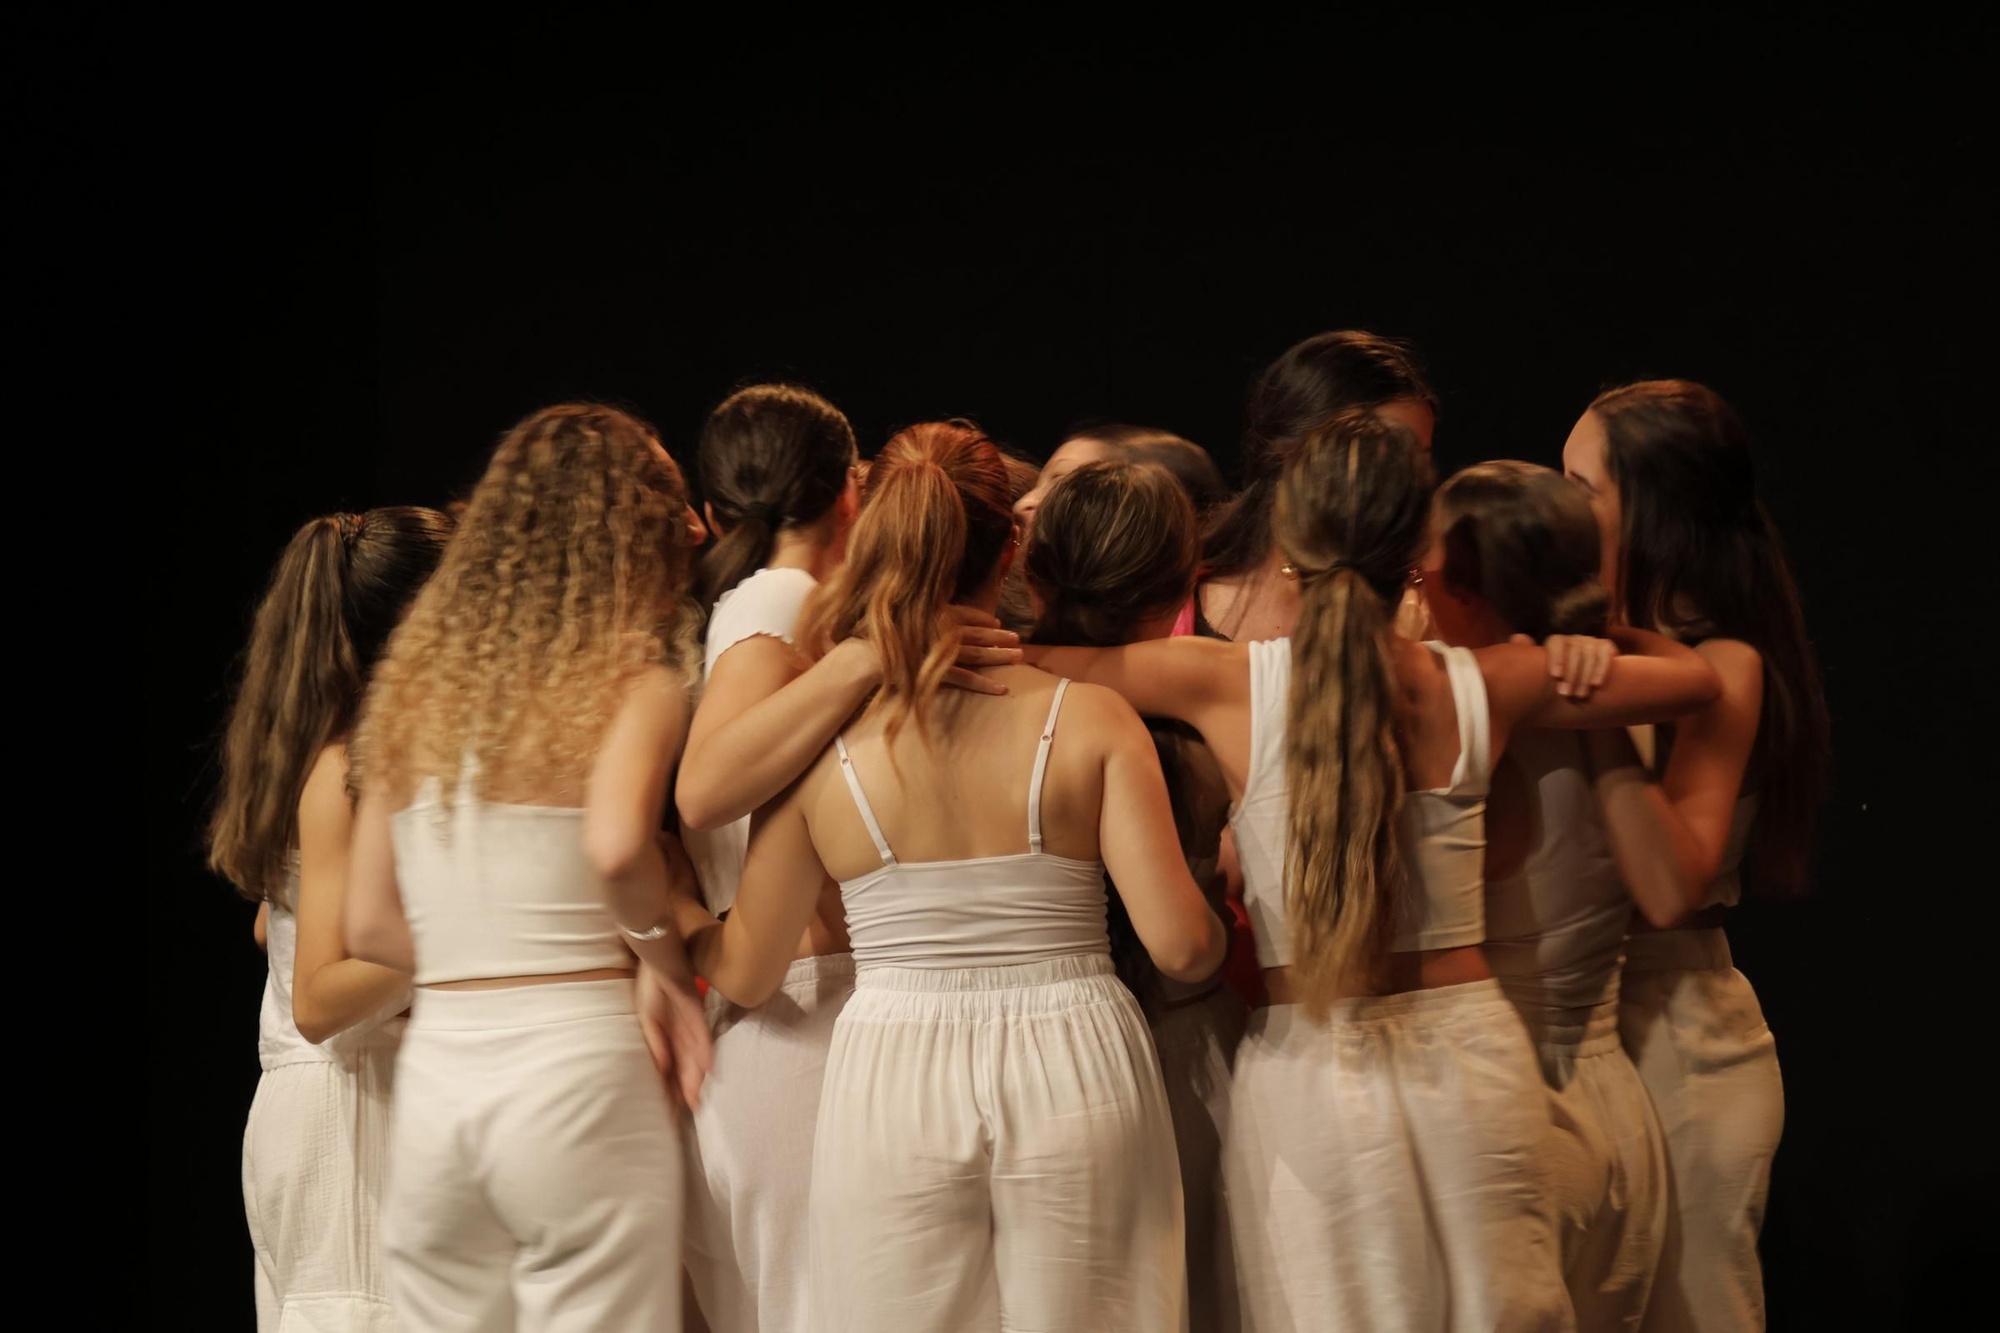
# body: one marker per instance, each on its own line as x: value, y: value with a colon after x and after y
x: 972, y: 896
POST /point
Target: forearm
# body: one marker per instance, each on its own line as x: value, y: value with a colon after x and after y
x: 1202, y: 963
x: 339, y: 995
x: 756, y: 755
x: 382, y: 938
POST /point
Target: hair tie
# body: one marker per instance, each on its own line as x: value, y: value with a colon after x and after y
x: 769, y: 513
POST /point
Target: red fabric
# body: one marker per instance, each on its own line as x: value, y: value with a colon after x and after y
x: 1240, y: 968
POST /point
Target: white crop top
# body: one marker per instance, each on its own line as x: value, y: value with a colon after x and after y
x: 1555, y: 928
x: 1443, y: 830
x: 989, y: 911
x: 500, y: 890
x: 767, y: 603
x: 278, y: 1040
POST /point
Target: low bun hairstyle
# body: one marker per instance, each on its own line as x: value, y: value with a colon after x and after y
x: 771, y: 456
x: 1523, y: 540
x: 1114, y: 545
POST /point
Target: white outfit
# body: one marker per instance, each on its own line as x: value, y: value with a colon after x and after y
x: 994, y: 1146
x: 1555, y: 938
x: 1692, y: 1025
x: 1384, y: 1168
x: 313, y: 1158
x: 535, y: 1173
x: 750, y: 1144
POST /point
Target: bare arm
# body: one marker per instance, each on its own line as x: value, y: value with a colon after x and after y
x: 765, y: 716
x: 746, y: 956
x: 377, y: 931
x: 331, y: 989
x: 1190, y: 679
x: 1656, y: 680
x: 1669, y: 836
x: 260, y: 929
x: 1136, y: 837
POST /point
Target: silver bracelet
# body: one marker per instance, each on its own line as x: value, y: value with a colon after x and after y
x: 657, y: 931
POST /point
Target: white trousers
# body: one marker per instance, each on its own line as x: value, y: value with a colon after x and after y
x: 1197, y: 1037
x: 1607, y: 1174
x: 750, y: 1151
x: 1692, y: 1025
x: 535, y: 1170
x: 314, y: 1152
x: 1385, y: 1169
x: 994, y: 1151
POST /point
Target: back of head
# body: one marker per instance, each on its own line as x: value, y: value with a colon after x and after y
x: 1114, y: 547
x: 337, y: 592
x: 772, y: 456
x: 1351, y: 514
x: 1186, y: 461
x: 936, y: 519
x: 1702, y: 558
x: 1312, y: 383
x: 568, y: 576
x: 1523, y: 540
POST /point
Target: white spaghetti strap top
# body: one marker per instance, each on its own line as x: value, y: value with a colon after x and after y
x: 1443, y: 830
x: 992, y: 911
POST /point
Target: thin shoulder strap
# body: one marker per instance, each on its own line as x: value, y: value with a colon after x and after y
x: 1041, y: 768
x: 861, y: 803
x: 1475, y: 726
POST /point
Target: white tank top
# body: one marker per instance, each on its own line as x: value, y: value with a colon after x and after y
x: 278, y: 1039
x: 1443, y: 830
x: 989, y: 911
x: 1555, y: 928
x: 767, y: 603
x: 496, y: 890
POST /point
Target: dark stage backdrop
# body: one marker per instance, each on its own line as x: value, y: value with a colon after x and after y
x: 410, y: 261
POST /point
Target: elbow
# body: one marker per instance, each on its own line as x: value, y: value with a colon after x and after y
x: 313, y: 1026
x: 615, y: 848
x: 1196, y: 956
x: 742, y: 989
x: 696, y: 810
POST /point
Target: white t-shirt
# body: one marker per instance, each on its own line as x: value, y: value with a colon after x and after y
x: 766, y: 603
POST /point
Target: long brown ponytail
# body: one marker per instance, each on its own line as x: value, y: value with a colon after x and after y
x: 935, y: 518
x: 1351, y: 514
x: 335, y: 596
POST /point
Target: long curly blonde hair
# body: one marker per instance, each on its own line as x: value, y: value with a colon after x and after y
x: 568, y: 576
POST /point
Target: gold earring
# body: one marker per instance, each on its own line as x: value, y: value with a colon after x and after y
x: 1289, y: 571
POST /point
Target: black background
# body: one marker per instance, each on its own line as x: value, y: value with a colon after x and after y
x: 410, y: 244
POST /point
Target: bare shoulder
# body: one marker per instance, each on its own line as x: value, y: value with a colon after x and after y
x: 1739, y: 664
x: 1103, y: 712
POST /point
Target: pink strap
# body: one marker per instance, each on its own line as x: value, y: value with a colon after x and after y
x: 1184, y: 622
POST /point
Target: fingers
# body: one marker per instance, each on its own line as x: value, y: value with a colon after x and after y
x: 987, y: 636
x: 1608, y: 651
x: 961, y: 679
x: 971, y: 656
x: 972, y: 616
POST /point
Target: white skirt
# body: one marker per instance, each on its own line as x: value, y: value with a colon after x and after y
x: 1386, y: 1169
x: 535, y: 1168
x: 314, y: 1153
x: 1694, y: 1029
x: 750, y: 1151
x: 995, y: 1150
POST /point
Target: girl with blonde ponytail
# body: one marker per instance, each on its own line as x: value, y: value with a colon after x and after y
x: 993, y: 1146
x: 314, y: 1149
x: 1383, y: 1165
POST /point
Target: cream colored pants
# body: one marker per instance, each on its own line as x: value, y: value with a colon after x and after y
x: 1692, y: 1025
x: 750, y: 1151
x: 1196, y: 1032
x: 994, y: 1151
x: 535, y: 1170
x: 1385, y: 1169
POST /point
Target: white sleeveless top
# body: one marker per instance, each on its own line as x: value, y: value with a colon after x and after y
x: 278, y: 1040
x: 767, y: 603
x: 1443, y: 830
x: 1555, y: 928
x: 495, y: 890
x: 988, y: 911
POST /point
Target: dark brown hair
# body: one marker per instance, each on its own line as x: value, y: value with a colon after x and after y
x: 1352, y: 514
x: 936, y: 516
x: 1114, y: 545
x: 1313, y: 382
x: 1187, y: 462
x: 1522, y: 539
x: 1703, y: 560
x: 336, y: 594
x: 772, y: 456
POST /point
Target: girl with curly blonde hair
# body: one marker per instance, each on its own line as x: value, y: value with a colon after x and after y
x: 513, y: 761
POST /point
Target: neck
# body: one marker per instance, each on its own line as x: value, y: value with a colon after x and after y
x: 809, y: 547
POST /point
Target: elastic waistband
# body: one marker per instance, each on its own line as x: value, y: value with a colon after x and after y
x: 935, y: 993
x: 1678, y: 951
x: 1050, y: 970
x: 518, y: 1006
x: 819, y: 967
x: 1437, y: 1003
